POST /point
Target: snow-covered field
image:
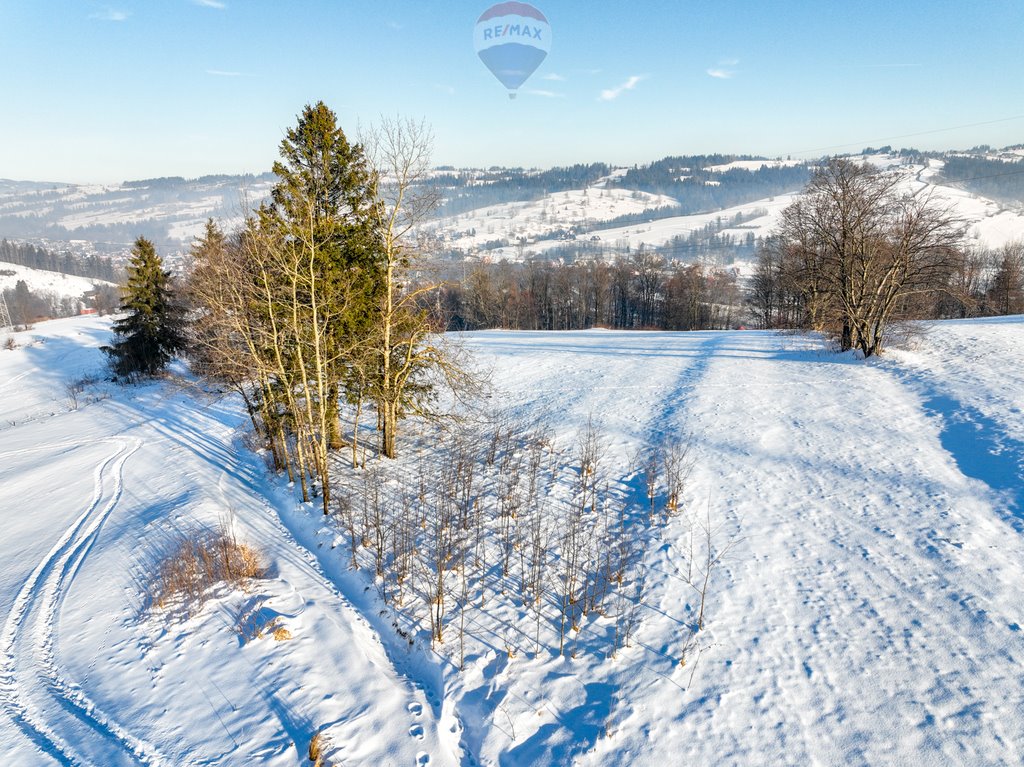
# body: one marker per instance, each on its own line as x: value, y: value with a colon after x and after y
x: 44, y: 281
x: 870, y: 611
x: 539, y: 218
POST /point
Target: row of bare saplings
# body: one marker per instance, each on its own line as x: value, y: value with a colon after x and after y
x: 500, y: 533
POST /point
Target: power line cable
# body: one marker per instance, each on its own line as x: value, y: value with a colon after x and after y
x: 867, y: 142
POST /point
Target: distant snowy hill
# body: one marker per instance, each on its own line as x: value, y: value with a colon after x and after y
x: 727, y: 200
x: 552, y: 215
x: 990, y: 223
x: 171, y: 212
x: 42, y: 281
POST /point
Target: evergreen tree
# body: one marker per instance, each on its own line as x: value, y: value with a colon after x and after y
x: 21, y: 307
x: 324, y: 205
x: 153, y: 330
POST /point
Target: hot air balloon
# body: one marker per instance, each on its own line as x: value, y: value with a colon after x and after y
x: 512, y: 39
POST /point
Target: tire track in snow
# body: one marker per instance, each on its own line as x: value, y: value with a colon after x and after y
x: 50, y: 709
x: 16, y: 378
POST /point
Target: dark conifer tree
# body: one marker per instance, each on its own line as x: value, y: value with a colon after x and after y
x: 153, y: 329
x: 324, y: 203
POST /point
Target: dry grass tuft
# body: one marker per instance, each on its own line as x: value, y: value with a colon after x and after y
x: 256, y: 621
x: 195, y: 563
x: 317, y: 746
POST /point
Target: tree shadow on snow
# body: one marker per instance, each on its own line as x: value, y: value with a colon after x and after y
x: 981, y: 450
x: 577, y: 732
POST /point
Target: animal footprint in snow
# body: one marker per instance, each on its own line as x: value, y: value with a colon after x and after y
x: 415, y: 709
x: 422, y: 759
x: 416, y: 731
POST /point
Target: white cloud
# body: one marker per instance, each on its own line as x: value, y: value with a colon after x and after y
x: 555, y: 78
x: 610, y: 94
x: 724, y: 69
x: 110, y: 14
x: 220, y: 6
x: 545, y: 94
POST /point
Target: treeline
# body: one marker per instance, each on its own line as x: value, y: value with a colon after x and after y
x: 973, y: 283
x: 92, y: 267
x: 27, y: 306
x: 111, y: 237
x: 698, y: 190
x: 178, y: 182
x: 985, y: 283
x: 992, y: 178
x: 468, y: 190
x: 641, y: 291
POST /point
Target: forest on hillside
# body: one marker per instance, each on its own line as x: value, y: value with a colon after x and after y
x: 36, y: 257
x: 998, y: 179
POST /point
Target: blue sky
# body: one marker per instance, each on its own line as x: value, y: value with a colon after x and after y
x: 106, y: 91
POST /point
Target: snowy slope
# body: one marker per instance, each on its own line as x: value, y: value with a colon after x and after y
x: 86, y: 498
x: 990, y: 223
x: 43, y: 281
x: 539, y: 218
x: 869, y: 612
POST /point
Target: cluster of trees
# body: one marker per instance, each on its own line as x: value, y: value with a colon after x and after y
x: 34, y: 257
x: 854, y: 253
x: 309, y: 305
x: 643, y: 290
x: 699, y: 190
x: 27, y: 306
x: 984, y: 282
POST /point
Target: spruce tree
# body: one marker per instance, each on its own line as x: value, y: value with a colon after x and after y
x: 325, y: 203
x: 153, y: 328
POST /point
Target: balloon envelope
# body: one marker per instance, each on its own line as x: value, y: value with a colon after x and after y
x: 512, y: 39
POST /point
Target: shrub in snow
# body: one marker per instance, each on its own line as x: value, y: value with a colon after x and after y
x: 197, y: 561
